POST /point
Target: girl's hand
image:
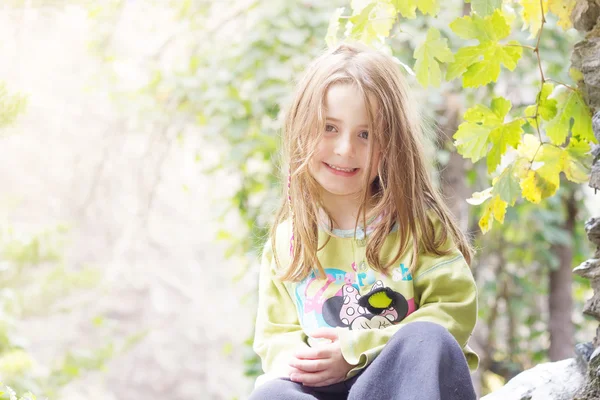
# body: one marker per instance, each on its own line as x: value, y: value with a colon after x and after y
x: 321, y: 365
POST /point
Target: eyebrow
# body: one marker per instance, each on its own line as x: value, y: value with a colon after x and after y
x: 338, y: 120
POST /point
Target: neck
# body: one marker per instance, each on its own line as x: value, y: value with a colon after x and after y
x: 344, y: 210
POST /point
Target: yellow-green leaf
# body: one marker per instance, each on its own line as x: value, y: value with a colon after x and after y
x: 485, y: 7
x: 464, y: 57
x: 531, y: 13
x: 495, y: 209
x: 577, y: 161
x: 506, y: 185
x: 433, y: 51
x: 546, y: 108
x: 384, y: 16
x: 562, y: 9
x: 360, y: 21
x: 489, y: 28
x: 488, y: 69
x: 431, y: 7
x: 501, y: 137
x: 571, y: 106
x: 480, y: 64
x: 408, y: 8
x: 484, y: 127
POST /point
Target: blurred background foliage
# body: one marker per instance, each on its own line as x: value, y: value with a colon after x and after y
x: 223, y: 71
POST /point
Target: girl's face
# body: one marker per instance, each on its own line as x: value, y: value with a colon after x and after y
x: 340, y: 160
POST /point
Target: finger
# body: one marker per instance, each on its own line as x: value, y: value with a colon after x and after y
x: 309, y: 365
x: 325, y: 333
x: 310, y: 378
x: 314, y: 353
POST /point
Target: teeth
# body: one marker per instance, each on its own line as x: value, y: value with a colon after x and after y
x: 342, y: 169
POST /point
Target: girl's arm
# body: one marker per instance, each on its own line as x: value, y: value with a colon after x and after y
x: 446, y: 293
x: 278, y: 333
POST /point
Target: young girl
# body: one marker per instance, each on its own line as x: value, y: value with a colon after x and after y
x: 365, y: 290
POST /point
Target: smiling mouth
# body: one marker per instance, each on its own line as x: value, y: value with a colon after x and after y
x: 340, y: 168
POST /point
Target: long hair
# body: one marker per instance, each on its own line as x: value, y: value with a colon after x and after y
x: 402, y: 192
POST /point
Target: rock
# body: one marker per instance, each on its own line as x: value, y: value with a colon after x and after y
x: 549, y: 381
x: 585, y: 14
x: 586, y: 58
x: 595, y: 176
x: 592, y: 307
x: 589, y: 269
x: 592, y: 228
x: 583, y: 353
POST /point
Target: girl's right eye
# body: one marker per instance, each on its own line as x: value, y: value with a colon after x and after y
x: 329, y: 128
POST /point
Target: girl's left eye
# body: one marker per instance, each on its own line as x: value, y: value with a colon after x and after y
x: 364, y: 134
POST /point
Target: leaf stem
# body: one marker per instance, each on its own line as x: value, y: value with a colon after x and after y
x: 537, y: 52
x: 563, y: 84
x: 520, y: 45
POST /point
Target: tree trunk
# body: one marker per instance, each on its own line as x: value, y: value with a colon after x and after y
x: 560, y: 299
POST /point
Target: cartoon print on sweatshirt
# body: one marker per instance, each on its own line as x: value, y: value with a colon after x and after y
x: 379, y: 308
x: 320, y: 302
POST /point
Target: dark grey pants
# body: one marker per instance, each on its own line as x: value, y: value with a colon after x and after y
x: 422, y: 361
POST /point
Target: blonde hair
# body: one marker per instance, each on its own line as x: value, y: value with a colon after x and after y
x: 402, y: 192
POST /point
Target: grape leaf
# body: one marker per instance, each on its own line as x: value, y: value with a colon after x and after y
x: 562, y: 9
x: 571, y: 105
x: 484, y: 127
x: 496, y: 208
x: 431, y: 7
x: 360, y: 21
x: 485, y: 7
x: 546, y: 107
x: 428, y: 55
x: 406, y: 7
x: 371, y: 19
x: 480, y: 64
x: 531, y: 13
x: 540, y: 174
x: 577, y: 161
x: 489, y: 28
x: 506, y: 185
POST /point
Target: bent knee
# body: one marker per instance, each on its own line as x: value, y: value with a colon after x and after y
x: 272, y: 389
x: 426, y: 331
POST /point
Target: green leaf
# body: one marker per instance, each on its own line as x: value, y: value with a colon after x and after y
x: 408, y: 8
x: 571, y: 106
x: 501, y: 137
x: 577, y: 161
x: 429, y: 54
x: 490, y: 28
x: 485, y: 127
x: 488, y: 69
x: 431, y: 7
x: 507, y: 186
x: 480, y: 64
x: 545, y: 107
x: 361, y: 20
x: 485, y: 7
x: 464, y: 57
x: 383, y: 19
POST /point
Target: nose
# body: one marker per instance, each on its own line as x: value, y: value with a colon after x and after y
x: 344, y: 146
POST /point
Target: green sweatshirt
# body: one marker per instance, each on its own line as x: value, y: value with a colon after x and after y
x: 364, y: 306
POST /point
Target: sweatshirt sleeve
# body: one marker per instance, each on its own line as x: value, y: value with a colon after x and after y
x: 278, y: 332
x: 446, y: 293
